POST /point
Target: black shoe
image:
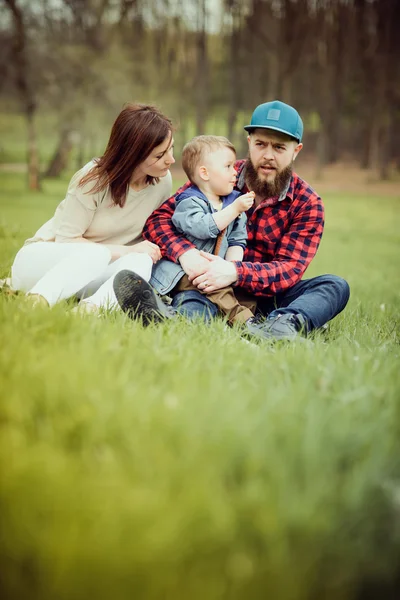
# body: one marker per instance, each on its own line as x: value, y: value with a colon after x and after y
x: 138, y: 299
x: 282, y: 327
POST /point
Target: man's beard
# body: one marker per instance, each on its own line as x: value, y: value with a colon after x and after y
x: 267, y: 189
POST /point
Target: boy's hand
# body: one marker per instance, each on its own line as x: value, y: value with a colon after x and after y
x: 244, y: 202
x: 193, y: 263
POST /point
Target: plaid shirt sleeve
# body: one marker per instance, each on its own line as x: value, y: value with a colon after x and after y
x: 294, y: 253
x: 160, y: 230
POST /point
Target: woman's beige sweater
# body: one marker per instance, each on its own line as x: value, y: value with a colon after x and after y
x: 94, y: 217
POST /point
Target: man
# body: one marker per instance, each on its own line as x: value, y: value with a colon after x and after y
x: 284, y: 228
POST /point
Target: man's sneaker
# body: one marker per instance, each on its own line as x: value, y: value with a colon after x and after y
x: 139, y: 300
x: 282, y: 327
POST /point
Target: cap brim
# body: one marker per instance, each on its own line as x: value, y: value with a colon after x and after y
x: 251, y: 128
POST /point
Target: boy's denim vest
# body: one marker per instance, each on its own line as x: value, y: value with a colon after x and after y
x: 167, y: 274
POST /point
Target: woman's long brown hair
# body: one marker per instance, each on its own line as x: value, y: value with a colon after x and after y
x: 138, y: 129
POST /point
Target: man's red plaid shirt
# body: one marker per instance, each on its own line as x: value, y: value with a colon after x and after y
x: 283, y: 237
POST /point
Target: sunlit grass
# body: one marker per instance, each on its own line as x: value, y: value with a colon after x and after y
x: 178, y: 462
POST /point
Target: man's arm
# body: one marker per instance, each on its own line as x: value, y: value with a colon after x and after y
x: 160, y: 230
x: 295, y: 252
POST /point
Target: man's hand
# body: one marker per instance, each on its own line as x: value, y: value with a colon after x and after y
x: 219, y: 274
x: 193, y: 263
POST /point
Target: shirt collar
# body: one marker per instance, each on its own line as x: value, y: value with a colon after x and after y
x: 193, y: 189
x: 286, y: 193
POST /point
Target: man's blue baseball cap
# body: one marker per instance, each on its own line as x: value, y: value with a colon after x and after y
x: 278, y: 116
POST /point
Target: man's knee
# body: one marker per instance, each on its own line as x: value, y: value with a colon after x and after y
x: 339, y: 285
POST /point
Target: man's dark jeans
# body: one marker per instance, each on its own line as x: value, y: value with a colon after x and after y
x: 319, y: 300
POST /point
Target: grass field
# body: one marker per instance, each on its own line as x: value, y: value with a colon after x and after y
x: 176, y: 462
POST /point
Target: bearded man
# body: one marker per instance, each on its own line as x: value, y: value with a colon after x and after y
x: 284, y: 229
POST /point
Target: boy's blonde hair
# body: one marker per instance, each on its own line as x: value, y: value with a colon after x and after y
x: 193, y: 152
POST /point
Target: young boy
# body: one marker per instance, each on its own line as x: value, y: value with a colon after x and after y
x: 205, y: 212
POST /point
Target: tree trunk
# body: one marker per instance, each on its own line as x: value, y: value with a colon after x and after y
x: 80, y: 155
x: 384, y: 165
x: 33, y: 154
x: 61, y: 156
x: 234, y: 72
x: 321, y: 154
x: 202, y: 75
x: 388, y: 24
x: 26, y: 94
x: 336, y: 83
x: 365, y: 147
x: 386, y: 31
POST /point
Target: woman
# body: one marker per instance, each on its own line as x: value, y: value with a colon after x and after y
x: 96, y: 230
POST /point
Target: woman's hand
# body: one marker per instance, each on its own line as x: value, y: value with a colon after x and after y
x: 148, y: 248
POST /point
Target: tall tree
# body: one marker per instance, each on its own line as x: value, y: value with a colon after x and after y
x: 385, y: 64
x: 235, y: 9
x: 330, y: 50
x: 27, y: 97
x: 202, y: 69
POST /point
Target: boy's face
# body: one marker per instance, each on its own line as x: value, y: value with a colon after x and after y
x: 218, y: 169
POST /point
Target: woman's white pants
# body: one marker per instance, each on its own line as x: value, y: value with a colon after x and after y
x: 58, y: 271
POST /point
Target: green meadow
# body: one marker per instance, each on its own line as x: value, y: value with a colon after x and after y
x: 179, y: 463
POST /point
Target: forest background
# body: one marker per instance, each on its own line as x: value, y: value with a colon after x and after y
x: 67, y: 67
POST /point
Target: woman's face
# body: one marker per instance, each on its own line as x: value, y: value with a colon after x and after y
x: 160, y: 159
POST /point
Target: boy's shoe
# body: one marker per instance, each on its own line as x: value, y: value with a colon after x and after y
x: 282, y: 327
x: 139, y: 300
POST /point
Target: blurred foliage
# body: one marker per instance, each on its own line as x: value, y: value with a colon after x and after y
x: 208, y: 64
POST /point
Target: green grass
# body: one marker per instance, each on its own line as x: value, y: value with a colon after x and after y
x: 176, y: 462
